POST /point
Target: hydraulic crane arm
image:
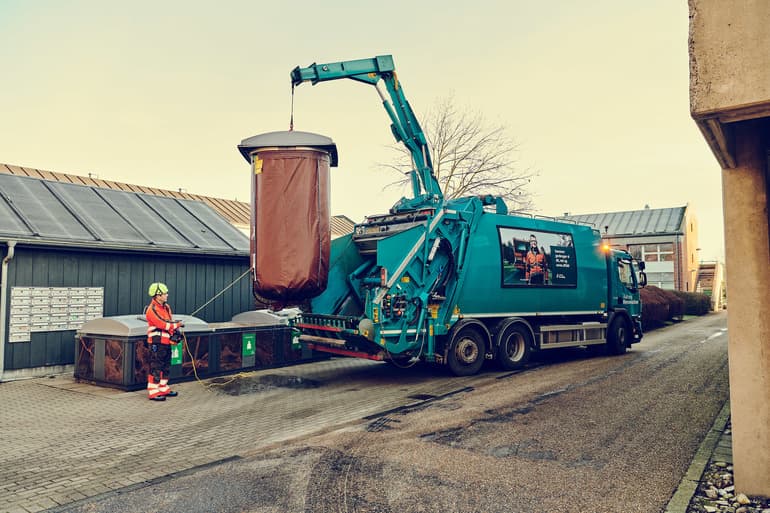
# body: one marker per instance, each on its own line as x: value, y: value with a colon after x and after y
x: 404, y: 124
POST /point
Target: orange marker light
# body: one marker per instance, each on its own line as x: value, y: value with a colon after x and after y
x: 606, y: 248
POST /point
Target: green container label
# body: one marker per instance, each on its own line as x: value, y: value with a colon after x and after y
x: 176, y: 354
x: 248, y: 341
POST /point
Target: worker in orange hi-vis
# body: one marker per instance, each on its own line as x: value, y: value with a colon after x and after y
x: 162, y: 332
x: 536, y: 263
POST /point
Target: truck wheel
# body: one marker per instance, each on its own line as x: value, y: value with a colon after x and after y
x: 466, y: 352
x: 617, y: 336
x: 514, y: 346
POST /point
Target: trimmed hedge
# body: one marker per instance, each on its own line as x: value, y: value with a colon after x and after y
x: 660, y: 306
x: 695, y: 303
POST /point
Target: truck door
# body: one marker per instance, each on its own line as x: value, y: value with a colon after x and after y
x: 625, y: 286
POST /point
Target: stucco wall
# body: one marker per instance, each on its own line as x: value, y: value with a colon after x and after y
x: 748, y: 275
x: 729, y: 41
x: 690, y: 257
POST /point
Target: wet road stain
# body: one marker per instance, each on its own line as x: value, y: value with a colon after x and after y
x: 251, y: 385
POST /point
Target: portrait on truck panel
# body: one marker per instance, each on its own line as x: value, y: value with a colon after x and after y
x: 528, y: 256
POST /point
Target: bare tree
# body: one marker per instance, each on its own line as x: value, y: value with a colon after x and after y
x: 470, y: 157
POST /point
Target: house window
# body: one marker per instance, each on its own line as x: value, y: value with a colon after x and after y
x: 663, y: 252
x: 661, y: 280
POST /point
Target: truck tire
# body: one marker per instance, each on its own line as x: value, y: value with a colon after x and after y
x: 617, y: 336
x: 467, y: 351
x: 514, y: 345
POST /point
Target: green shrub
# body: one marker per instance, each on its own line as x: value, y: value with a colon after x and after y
x: 655, y: 307
x: 660, y: 305
x: 695, y: 303
x: 676, y: 305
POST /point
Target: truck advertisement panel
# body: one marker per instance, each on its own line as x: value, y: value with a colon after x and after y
x: 537, y: 258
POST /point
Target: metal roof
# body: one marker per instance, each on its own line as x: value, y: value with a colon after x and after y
x: 648, y: 221
x: 341, y: 225
x: 236, y: 212
x: 56, y: 213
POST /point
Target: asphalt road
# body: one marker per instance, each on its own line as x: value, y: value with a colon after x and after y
x: 572, y: 434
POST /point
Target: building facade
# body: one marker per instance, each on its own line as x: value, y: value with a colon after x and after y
x: 666, y: 239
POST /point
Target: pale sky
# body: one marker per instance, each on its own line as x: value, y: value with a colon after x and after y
x: 161, y: 93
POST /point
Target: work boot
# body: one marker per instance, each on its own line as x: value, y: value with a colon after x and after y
x: 158, y: 398
x: 172, y: 393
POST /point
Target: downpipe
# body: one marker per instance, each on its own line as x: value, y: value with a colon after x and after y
x: 4, y: 303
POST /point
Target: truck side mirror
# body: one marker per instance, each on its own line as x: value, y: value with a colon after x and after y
x: 641, y: 265
x: 642, y: 277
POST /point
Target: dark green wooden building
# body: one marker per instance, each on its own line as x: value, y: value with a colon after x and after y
x: 72, y: 253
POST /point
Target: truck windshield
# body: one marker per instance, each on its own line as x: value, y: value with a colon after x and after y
x: 626, y: 273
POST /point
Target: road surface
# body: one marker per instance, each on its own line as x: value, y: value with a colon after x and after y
x: 573, y: 433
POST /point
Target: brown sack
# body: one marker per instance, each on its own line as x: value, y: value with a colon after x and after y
x: 290, y: 232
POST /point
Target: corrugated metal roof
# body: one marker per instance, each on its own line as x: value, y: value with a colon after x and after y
x: 648, y: 221
x: 52, y: 212
x: 341, y: 225
x: 236, y: 212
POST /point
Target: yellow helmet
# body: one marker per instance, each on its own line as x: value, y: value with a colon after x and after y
x: 157, y: 288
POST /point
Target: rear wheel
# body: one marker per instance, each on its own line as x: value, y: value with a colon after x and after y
x: 466, y: 351
x: 617, y: 336
x: 514, y: 346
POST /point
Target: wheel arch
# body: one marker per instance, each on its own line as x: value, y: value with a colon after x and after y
x: 613, y: 346
x: 620, y: 313
x: 504, y: 323
x: 462, y: 324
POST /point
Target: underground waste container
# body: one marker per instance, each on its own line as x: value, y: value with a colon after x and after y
x: 273, y: 335
x: 111, y: 351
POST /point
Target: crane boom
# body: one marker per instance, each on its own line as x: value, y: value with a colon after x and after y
x: 404, y: 125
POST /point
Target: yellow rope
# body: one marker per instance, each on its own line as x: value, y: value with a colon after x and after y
x: 187, y: 346
x: 209, y: 385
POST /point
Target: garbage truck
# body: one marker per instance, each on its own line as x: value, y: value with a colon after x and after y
x: 460, y: 281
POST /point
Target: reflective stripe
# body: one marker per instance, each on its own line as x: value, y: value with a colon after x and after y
x: 153, y: 390
x: 160, y: 320
x: 165, y: 338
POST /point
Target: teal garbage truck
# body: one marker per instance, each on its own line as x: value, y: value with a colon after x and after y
x: 460, y: 281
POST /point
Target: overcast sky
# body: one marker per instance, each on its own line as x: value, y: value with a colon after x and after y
x: 161, y: 93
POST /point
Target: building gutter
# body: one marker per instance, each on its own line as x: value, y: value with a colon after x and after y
x: 4, y: 303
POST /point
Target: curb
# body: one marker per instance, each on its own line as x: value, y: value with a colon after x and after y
x: 680, y: 501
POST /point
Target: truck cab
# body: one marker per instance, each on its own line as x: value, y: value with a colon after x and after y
x: 625, y: 277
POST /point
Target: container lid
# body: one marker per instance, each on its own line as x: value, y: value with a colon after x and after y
x: 288, y: 139
x: 265, y: 317
x: 134, y: 325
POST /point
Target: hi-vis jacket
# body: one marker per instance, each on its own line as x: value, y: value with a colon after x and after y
x: 535, y: 263
x: 160, y: 323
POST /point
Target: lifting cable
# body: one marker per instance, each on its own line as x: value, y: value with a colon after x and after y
x: 186, y: 346
x: 239, y: 278
x: 291, y: 118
